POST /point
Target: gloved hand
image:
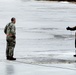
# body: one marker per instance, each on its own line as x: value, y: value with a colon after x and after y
x: 68, y: 28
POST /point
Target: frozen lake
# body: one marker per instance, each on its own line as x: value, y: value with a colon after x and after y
x: 42, y: 37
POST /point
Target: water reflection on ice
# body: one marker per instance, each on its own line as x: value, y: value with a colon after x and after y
x: 9, y: 70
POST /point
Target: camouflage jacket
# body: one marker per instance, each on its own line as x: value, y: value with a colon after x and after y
x: 10, y: 29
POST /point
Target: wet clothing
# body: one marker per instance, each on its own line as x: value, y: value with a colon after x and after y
x: 10, y: 31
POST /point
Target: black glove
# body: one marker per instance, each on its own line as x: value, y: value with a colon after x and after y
x: 68, y: 28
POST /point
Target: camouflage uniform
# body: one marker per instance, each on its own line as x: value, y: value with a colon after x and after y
x: 10, y: 29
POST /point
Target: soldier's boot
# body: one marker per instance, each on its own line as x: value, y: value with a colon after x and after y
x: 7, y: 57
x: 12, y: 58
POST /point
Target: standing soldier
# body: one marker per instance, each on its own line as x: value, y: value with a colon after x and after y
x: 72, y: 29
x: 10, y: 31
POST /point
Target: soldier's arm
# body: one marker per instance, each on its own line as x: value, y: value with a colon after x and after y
x: 13, y: 30
x: 5, y: 29
x: 71, y: 28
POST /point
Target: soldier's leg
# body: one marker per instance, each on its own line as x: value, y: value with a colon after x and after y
x: 12, y: 46
x: 7, y: 49
x: 11, y: 51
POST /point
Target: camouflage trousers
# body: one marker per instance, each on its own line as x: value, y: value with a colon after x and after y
x: 10, y: 47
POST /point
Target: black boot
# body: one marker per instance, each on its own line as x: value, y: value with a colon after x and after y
x: 12, y: 58
x: 74, y: 55
x: 7, y: 57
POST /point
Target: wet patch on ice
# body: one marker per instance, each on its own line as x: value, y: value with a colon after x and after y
x: 21, y: 28
x: 46, y: 60
x: 53, y: 60
x: 59, y: 36
x: 63, y: 36
x: 43, y: 28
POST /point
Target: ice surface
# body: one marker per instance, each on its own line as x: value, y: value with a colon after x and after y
x: 44, y: 46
